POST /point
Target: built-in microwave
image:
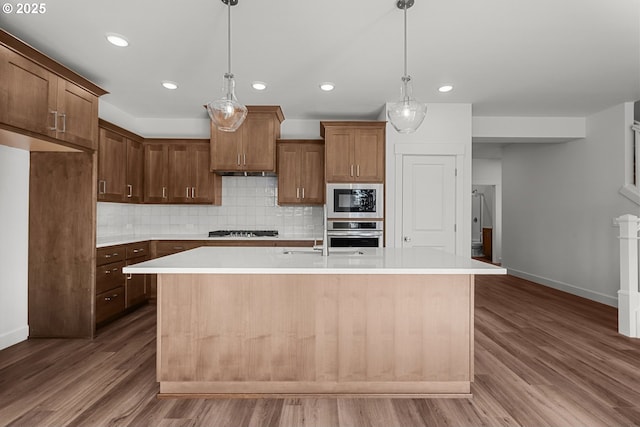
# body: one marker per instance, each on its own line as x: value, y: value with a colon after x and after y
x: 355, y: 201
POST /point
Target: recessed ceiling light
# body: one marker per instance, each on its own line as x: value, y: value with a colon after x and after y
x: 259, y: 85
x: 445, y: 88
x: 327, y: 86
x: 117, y: 40
x: 170, y: 85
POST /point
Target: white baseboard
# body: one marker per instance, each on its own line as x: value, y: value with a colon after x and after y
x: 565, y: 287
x: 7, y: 339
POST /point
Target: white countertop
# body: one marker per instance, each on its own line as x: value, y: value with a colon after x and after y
x: 270, y: 260
x: 121, y: 240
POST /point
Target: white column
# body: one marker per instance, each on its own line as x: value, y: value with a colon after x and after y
x: 628, y: 295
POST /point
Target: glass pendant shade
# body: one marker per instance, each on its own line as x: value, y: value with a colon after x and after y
x: 407, y: 114
x: 227, y: 114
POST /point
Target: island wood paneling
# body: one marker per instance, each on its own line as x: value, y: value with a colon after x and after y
x: 305, y: 334
x: 543, y: 358
x: 62, y: 244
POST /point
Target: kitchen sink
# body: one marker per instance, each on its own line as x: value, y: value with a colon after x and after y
x: 317, y: 252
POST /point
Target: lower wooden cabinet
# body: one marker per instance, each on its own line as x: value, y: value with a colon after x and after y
x: 116, y: 292
x: 109, y: 304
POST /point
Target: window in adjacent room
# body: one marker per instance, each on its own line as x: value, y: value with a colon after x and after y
x: 631, y: 187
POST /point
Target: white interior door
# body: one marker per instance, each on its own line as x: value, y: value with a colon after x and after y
x: 429, y: 202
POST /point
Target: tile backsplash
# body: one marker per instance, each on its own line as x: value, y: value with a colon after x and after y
x: 247, y: 203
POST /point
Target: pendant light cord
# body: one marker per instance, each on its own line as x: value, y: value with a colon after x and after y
x: 229, y: 36
x: 405, y: 39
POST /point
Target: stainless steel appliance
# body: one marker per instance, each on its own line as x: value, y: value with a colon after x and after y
x: 243, y: 233
x: 355, y: 234
x: 355, y: 201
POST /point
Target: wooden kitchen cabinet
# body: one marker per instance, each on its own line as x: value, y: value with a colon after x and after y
x: 136, y: 285
x: 190, y: 179
x: 120, y: 165
x: 112, y: 166
x: 117, y: 293
x: 135, y: 171
x: 251, y: 148
x: 354, y: 151
x: 177, y: 171
x: 156, y: 173
x: 300, y: 172
x: 35, y: 100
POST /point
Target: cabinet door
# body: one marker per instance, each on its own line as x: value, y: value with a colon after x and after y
x: 112, y: 152
x: 135, y: 286
x: 206, y: 184
x: 289, y: 174
x: 135, y: 171
x: 77, y: 115
x: 368, y: 148
x: 156, y: 161
x: 27, y: 94
x: 179, y: 174
x: 258, y: 143
x: 225, y: 150
x: 312, y: 174
x: 339, y: 164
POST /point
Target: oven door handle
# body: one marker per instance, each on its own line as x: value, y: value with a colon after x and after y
x: 354, y: 234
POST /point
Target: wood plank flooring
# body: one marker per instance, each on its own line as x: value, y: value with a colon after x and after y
x: 543, y: 358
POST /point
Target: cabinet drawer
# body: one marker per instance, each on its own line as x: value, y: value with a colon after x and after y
x: 136, y: 250
x: 168, y: 247
x: 109, y: 304
x: 109, y: 276
x: 110, y: 254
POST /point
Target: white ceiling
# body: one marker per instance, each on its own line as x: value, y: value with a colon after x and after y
x: 506, y: 57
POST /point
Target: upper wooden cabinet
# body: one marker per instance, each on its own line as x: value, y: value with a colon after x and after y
x: 156, y: 173
x: 177, y: 171
x: 37, y: 101
x: 252, y: 148
x: 190, y: 180
x: 120, y: 165
x: 354, y: 151
x: 300, y: 172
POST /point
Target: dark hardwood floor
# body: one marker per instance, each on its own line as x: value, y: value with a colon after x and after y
x: 543, y: 358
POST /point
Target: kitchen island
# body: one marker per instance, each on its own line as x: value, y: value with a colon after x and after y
x: 246, y: 322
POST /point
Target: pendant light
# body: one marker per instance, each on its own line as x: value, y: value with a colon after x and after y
x: 407, y: 114
x: 226, y: 113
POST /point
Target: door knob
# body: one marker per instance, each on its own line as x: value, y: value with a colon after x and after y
x: 407, y: 238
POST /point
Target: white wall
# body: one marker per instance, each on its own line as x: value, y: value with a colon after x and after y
x: 559, y: 201
x: 14, y: 255
x: 446, y: 125
x: 489, y: 172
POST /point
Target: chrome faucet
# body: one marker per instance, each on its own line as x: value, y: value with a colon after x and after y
x: 325, y: 242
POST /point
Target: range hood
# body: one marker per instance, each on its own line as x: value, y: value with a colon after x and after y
x: 242, y: 173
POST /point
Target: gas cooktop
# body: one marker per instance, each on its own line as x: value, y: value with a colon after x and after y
x: 243, y: 233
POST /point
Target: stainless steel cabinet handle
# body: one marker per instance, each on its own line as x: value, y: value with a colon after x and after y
x: 164, y: 192
x: 351, y: 173
x: 112, y: 297
x: 297, y: 192
x: 303, y: 192
x: 187, y: 192
x: 238, y: 159
x: 130, y: 189
x: 193, y: 192
x: 55, y: 120
x: 407, y: 238
x: 129, y: 276
x: 244, y: 159
x: 358, y: 170
x: 102, y: 186
x: 107, y: 272
x: 64, y: 122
